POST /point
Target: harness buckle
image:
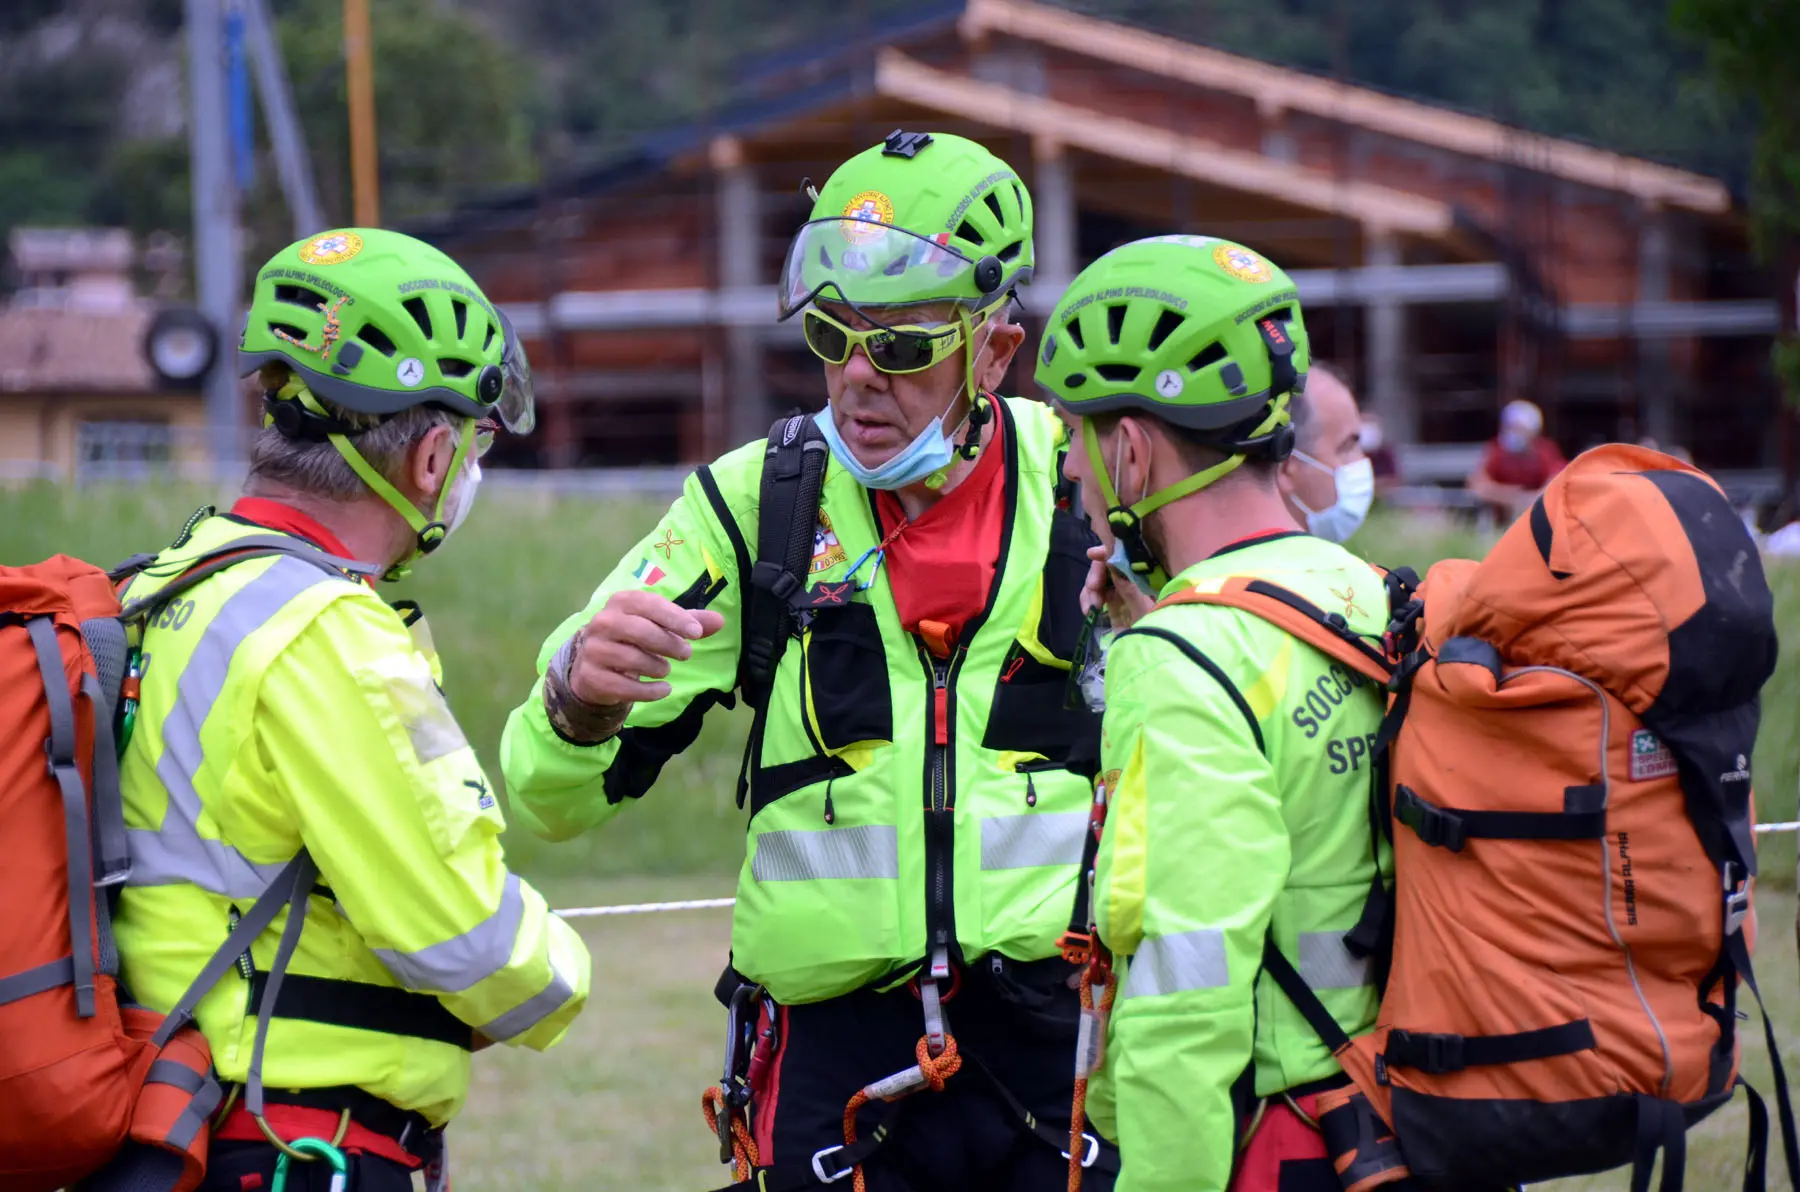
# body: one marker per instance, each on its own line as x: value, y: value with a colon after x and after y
x: 1076, y: 946
x: 818, y: 1164
x: 1090, y: 1150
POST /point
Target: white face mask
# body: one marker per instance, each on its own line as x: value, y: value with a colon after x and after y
x: 462, y: 497
x: 1355, y: 483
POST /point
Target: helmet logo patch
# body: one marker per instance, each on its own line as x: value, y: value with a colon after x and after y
x: 867, y: 207
x: 332, y: 248
x: 1169, y: 383
x: 1241, y: 263
x: 410, y: 371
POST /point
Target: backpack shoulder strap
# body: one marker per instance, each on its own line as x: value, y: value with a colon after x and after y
x: 1330, y: 633
x: 241, y: 550
x: 793, y: 473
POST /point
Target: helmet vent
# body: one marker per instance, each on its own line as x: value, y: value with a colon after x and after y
x: 376, y: 338
x: 1208, y: 356
x: 1115, y: 322
x: 489, y: 341
x: 1019, y: 198
x: 1074, y: 330
x: 1075, y: 380
x: 450, y: 366
x: 992, y: 199
x: 461, y: 310
x: 299, y: 296
x: 966, y: 231
x: 1166, y: 324
x: 1011, y: 251
x: 1118, y: 374
x: 416, y: 308
x: 289, y: 331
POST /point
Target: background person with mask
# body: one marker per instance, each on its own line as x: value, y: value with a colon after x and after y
x: 1328, y: 482
x: 293, y: 728
x: 1518, y: 463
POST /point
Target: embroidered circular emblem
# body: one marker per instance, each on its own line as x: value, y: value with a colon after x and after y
x: 1241, y: 263
x: 866, y: 208
x: 333, y: 248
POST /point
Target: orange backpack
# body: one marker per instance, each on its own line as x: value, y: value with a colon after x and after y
x: 92, y: 1087
x: 1565, y: 779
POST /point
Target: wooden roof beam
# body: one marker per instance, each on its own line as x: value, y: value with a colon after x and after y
x: 1275, y: 87
x: 1378, y: 208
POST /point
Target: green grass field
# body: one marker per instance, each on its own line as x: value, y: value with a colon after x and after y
x: 617, y: 1104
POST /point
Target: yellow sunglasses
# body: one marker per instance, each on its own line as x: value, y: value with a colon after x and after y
x: 907, y: 349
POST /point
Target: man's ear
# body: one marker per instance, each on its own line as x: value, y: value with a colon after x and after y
x: 1285, y: 473
x: 428, y: 464
x: 1002, y: 344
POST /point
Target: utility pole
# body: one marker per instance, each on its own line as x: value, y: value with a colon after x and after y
x: 217, y: 247
x: 359, y: 74
x: 291, y: 161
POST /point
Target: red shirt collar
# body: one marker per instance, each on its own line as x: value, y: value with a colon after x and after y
x: 1253, y: 539
x: 274, y: 515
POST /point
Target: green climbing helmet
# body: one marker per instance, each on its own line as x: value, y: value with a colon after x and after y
x: 377, y: 322
x: 919, y: 218
x: 1203, y: 333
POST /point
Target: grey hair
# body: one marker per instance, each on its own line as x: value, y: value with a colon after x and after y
x: 319, y: 470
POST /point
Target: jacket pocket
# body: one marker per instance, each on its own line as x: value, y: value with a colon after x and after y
x: 844, y: 680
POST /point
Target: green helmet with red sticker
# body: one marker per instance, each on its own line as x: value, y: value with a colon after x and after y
x: 919, y: 218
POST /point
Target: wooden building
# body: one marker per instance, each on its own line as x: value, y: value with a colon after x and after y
x: 1447, y: 262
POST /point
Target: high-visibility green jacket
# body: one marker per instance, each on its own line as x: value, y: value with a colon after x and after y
x: 1238, y: 808
x: 286, y: 708
x: 951, y: 818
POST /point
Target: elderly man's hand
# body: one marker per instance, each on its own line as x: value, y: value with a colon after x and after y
x: 624, y: 651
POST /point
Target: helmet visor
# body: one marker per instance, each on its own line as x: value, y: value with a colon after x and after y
x: 865, y: 263
x: 517, y: 407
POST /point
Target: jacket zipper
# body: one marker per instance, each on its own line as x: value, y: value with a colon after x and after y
x: 940, y: 911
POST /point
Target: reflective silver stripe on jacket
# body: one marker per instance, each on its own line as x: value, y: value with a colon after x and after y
x: 1326, y: 964
x: 797, y: 856
x: 458, y: 963
x: 177, y: 852
x: 1040, y: 838
x: 1176, y: 963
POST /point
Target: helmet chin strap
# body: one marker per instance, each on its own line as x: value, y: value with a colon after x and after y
x: 980, y: 411
x: 430, y: 532
x: 1127, y: 521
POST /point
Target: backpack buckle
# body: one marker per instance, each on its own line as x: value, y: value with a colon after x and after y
x: 1430, y: 823
x: 1431, y: 1054
x: 1737, y: 898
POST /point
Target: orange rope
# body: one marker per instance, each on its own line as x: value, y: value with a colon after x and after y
x: 743, y: 1146
x: 1078, y: 1110
x: 934, y: 1069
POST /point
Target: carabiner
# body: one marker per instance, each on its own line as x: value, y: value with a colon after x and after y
x: 313, y: 1148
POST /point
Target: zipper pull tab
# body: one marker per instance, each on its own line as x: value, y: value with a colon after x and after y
x: 1030, y: 791
x: 830, y: 811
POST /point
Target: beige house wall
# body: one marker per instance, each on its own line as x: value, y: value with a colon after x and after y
x: 39, y: 432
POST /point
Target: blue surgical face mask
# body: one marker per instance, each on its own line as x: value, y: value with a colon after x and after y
x: 932, y: 450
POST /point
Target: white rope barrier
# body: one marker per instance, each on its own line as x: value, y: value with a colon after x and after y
x: 707, y: 904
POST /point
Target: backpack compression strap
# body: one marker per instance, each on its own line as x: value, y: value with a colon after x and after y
x: 793, y: 472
